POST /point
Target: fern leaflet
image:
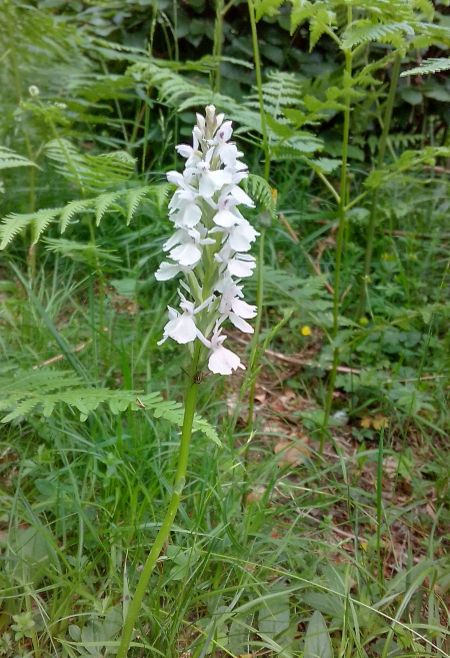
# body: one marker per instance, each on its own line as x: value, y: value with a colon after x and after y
x: 9, y: 159
x: 38, y: 391
x: 429, y: 66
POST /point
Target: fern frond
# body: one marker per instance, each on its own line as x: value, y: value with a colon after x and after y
x: 429, y: 66
x: 259, y: 190
x: 297, y: 146
x: 132, y: 200
x: 280, y: 91
x: 426, y: 7
x: 323, y: 165
x: 33, y: 392
x: 320, y: 23
x: 12, y: 225
x: 104, y: 203
x: 10, y: 159
x: 90, y: 172
x: 40, y: 221
x: 409, y: 160
x: 365, y: 31
x: 181, y: 93
x: 81, y: 252
x: 15, y: 223
x: 73, y: 208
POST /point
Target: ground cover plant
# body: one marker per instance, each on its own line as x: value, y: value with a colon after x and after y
x: 311, y: 515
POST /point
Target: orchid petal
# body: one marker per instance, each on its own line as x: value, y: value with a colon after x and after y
x: 167, y: 271
x: 242, y: 197
x: 223, y: 361
x: 241, y: 324
x: 243, y: 309
x: 186, y: 254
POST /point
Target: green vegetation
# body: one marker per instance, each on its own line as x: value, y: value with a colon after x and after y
x: 315, y: 514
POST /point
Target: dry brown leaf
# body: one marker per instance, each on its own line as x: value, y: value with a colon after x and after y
x: 377, y: 422
x: 292, y: 453
x: 255, y: 495
x: 390, y: 466
x: 261, y: 396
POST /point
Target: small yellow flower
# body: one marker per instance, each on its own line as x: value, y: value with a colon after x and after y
x: 306, y: 330
x: 363, y: 321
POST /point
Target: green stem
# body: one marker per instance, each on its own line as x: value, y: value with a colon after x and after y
x: 254, y: 353
x: 342, y: 215
x: 218, y: 40
x: 256, y: 57
x: 17, y: 81
x: 164, y: 531
x: 380, y: 506
x: 374, y: 199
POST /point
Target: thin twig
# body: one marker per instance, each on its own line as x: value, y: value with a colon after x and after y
x: 298, y: 361
x: 60, y: 357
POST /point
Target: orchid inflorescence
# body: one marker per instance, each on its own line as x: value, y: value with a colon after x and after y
x: 211, y: 242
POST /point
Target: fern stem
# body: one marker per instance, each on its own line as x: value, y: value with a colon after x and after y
x: 342, y: 215
x: 374, y: 199
x: 257, y: 59
x: 164, y: 531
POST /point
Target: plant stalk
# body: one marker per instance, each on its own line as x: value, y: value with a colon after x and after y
x: 257, y: 59
x: 374, y: 198
x: 164, y: 531
x: 379, y: 501
x: 254, y: 353
x: 218, y: 41
x: 342, y: 215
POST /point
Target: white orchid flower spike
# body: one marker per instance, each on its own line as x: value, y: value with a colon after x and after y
x: 210, y: 243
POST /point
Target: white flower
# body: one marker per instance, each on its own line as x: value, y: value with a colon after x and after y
x: 188, y: 252
x: 231, y: 306
x: 184, y: 210
x: 168, y: 271
x: 227, y: 215
x: 211, y: 180
x: 241, y: 236
x: 239, y: 265
x: 224, y: 133
x: 181, y: 326
x: 178, y: 179
x: 192, y: 154
x: 241, y: 197
x: 222, y: 361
